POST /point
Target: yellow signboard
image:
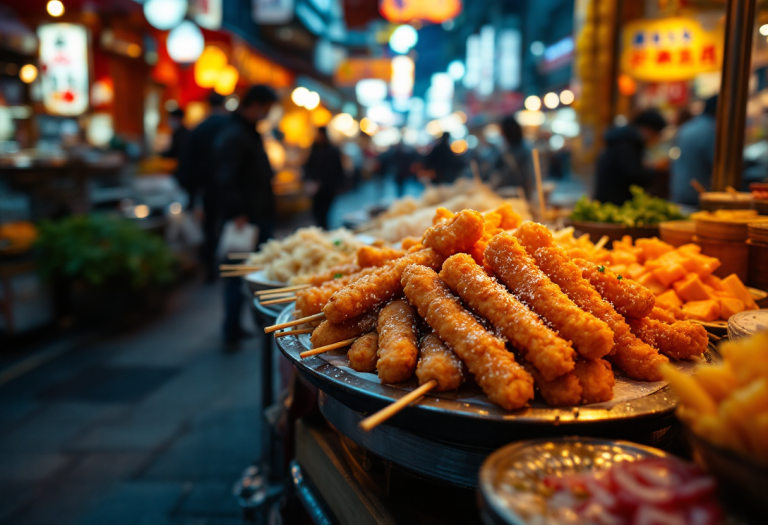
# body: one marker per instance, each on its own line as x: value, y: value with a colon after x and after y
x: 670, y: 49
x: 352, y: 70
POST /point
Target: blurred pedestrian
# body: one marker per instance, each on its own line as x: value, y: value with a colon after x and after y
x: 325, y: 169
x: 696, y: 141
x: 244, y: 186
x: 197, y: 169
x: 403, y: 159
x: 514, y: 167
x: 442, y: 162
x: 179, y: 134
x: 621, y: 162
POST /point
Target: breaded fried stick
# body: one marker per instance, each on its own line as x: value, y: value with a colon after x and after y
x: 637, y: 359
x: 363, y: 353
x: 374, y: 289
x: 368, y: 256
x: 548, y: 352
x: 591, y: 337
x: 456, y: 234
x: 562, y: 391
x: 332, y: 273
x: 660, y: 314
x: 398, y: 342
x: 679, y: 340
x: 438, y: 362
x: 504, y: 381
x: 310, y: 301
x: 328, y: 333
x: 596, y: 380
x: 629, y: 298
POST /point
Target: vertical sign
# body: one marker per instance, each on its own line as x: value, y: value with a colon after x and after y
x: 64, y: 68
x: 472, y: 76
x: 509, y: 59
x: 487, y: 56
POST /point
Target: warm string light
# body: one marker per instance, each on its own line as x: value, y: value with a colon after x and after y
x: 55, y: 8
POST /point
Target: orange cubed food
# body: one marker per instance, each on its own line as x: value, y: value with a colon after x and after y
x: 691, y: 289
x: 621, y: 269
x: 729, y: 306
x: 622, y: 257
x: 689, y: 249
x: 635, y: 270
x: 670, y: 273
x: 653, y: 265
x: 578, y: 253
x: 708, y: 310
x: 701, y: 264
x: 669, y: 298
x: 649, y: 281
x: 733, y: 284
x: 653, y: 248
x: 714, y: 281
x: 673, y: 257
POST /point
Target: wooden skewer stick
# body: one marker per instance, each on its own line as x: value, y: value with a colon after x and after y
x: 385, y: 413
x: 539, y: 186
x: 697, y: 186
x: 294, y: 332
x: 276, y: 296
x: 239, y: 255
x: 278, y: 301
x: 731, y: 190
x: 284, y: 289
x: 602, y: 242
x: 238, y: 267
x: 236, y: 273
x: 276, y: 327
x: 328, y: 348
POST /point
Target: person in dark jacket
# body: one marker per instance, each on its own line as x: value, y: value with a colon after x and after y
x: 179, y: 135
x: 696, y: 141
x: 324, y: 167
x: 244, y: 186
x: 621, y: 162
x: 197, y: 168
x: 442, y: 162
x: 514, y: 167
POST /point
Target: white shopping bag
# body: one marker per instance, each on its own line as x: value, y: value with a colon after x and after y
x: 237, y: 240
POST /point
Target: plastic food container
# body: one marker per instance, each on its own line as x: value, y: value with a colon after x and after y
x: 745, y: 324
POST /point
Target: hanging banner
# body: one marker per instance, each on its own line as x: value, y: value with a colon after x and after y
x: 64, y: 68
x: 670, y: 49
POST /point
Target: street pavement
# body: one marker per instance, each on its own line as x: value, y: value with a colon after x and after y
x: 147, y: 427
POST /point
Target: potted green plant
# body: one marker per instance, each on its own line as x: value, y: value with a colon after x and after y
x: 108, y: 266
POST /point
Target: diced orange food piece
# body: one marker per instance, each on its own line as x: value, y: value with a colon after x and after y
x: 649, y: 281
x: 691, y: 289
x: 714, y: 281
x: 666, y: 275
x: 622, y: 257
x: 729, y: 306
x: 733, y: 284
x: 673, y: 257
x: 669, y: 298
x: 620, y: 269
x: 635, y: 270
x: 689, y: 249
x: 701, y: 264
x: 653, y: 248
x: 708, y: 310
x: 578, y: 253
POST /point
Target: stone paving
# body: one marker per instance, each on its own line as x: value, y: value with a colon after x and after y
x: 147, y: 427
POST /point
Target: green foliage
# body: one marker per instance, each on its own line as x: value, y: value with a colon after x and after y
x: 100, y: 249
x: 641, y: 210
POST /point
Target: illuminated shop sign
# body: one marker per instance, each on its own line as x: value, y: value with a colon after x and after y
x: 670, y: 49
x: 64, y: 68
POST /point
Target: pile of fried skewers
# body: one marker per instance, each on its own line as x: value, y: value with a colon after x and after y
x: 486, y: 294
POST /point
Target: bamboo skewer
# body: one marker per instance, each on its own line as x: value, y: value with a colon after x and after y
x: 328, y: 348
x: 276, y: 327
x: 238, y: 267
x: 539, y: 185
x: 294, y: 332
x: 284, y: 289
x: 697, y: 186
x: 279, y: 301
x: 602, y: 242
x: 385, y: 413
x: 267, y: 297
x: 236, y: 273
x: 240, y: 255
x: 731, y: 190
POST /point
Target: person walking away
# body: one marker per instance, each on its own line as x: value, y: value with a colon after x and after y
x: 696, y: 142
x: 620, y: 164
x: 244, y: 186
x: 514, y: 167
x: 325, y: 169
x: 179, y: 136
x: 197, y: 169
x: 442, y: 162
x: 403, y: 159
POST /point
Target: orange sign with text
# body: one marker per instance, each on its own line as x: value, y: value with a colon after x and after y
x: 670, y: 49
x: 352, y: 70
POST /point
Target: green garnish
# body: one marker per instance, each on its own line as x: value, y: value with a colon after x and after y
x: 601, y: 269
x: 641, y: 210
x: 619, y: 277
x: 337, y: 276
x: 337, y: 242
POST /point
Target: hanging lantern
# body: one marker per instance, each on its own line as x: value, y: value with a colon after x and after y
x: 227, y: 81
x: 209, y: 66
x: 165, y: 14
x: 185, y: 43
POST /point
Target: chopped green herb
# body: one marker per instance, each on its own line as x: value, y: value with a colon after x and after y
x: 337, y: 276
x: 601, y: 269
x: 619, y: 277
x: 337, y: 242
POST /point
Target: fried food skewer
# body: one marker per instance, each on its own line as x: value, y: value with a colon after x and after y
x: 629, y: 298
x: 363, y: 353
x: 312, y: 300
x: 504, y: 381
x: 591, y: 337
x: 456, y: 234
x: 398, y: 342
x: 439, y: 363
x: 328, y: 333
x: 548, y: 352
x: 679, y: 340
x: 368, y: 256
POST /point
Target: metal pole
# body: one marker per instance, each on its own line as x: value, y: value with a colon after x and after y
x: 734, y: 90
